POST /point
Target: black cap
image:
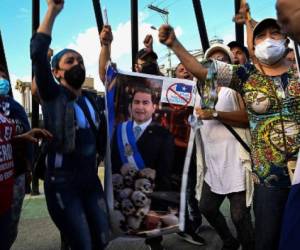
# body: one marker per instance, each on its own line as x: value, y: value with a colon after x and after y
x: 145, y: 52
x: 267, y: 22
x: 235, y: 44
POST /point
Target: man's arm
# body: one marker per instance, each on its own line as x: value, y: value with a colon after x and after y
x: 167, y: 36
x: 106, y: 38
x: 244, y: 17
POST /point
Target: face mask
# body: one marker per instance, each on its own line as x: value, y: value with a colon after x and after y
x: 4, y: 86
x: 150, y: 68
x: 75, y: 76
x: 270, y: 51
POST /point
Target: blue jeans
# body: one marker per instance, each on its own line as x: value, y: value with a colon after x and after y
x: 79, y: 211
x: 5, y: 221
x: 268, y: 204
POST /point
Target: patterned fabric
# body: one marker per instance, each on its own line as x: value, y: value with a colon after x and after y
x: 273, y: 105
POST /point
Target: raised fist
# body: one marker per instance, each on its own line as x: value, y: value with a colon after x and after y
x: 148, y: 42
x: 166, y: 35
x: 56, y: 5
x: 106, y: 35
x: 243, y: 15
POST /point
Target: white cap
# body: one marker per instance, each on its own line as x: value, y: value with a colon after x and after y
x: 219, y: 47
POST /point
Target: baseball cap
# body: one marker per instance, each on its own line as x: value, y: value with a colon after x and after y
x: 267, y: 22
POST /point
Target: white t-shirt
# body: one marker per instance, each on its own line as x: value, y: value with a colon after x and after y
x: 225, y: 173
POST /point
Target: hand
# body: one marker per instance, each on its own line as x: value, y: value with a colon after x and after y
x: 242, y: 16
x: 204, y: 114
x: 55, y: 5
x: 34, y: 134
x: 148, y: 42
x: 106, y: 35
x: 166, y: 35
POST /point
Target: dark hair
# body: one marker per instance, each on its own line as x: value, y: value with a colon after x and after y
x: 143, y: 90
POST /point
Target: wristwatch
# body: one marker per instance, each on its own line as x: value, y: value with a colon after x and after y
x: 215, y: 114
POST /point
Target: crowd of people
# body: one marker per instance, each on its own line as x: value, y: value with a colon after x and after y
x: 250, y: 113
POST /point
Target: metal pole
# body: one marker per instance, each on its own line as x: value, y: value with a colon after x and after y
x: 35, y: 105
x: 98, y: 14
x: 239, y: 29
x: 3, y: 62
x: 134, y: 31
x: 201, y: 24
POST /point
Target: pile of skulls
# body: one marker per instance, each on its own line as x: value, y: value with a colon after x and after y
x: 131, y: 190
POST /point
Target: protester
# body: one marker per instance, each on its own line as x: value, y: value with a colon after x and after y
x: 240, y: 53
x: 288, y: 14
x: 22, y: 152
x: 291, y: 58
x: 269, y: 89
x: 146, y: 58
x: 146, y: 62
x: 74, y: 194
x: 226, y: 172
x: 7, y: 137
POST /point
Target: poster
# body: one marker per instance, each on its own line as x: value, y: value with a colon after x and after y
x: 146, y: 171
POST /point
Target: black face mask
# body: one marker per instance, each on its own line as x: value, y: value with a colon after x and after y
x: 150, y: 68
x: 75, y: 76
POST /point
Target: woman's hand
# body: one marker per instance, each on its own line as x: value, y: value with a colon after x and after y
x: 34, y: 135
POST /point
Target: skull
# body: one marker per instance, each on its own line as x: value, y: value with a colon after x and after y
x: 127, y: 207
x: 170, y: 219
x: 118, y: 182
x: 128, y: 169
x: 129, y: 181
x: 125, y: 193
x: 139, y: 199
x: 134, y: 222
x: 118, y: 221
x: 143, y: 185
x: 142, y: 211
x: 148, y: 173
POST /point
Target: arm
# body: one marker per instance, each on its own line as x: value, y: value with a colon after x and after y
x: 33, y: 135
x: 167, y: 36
x: 237, y: 118
x: 39, y: 47
x: 106, y: 38
x: 244, y: 17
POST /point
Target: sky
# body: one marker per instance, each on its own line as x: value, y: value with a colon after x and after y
x: 75, y: 27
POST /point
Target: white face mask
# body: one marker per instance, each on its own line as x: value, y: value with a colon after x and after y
x: 270, y: 51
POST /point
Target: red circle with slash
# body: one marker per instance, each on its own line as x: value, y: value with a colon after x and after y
x: 172, y: 91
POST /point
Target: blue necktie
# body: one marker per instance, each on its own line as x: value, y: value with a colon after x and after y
x: 137, y: 132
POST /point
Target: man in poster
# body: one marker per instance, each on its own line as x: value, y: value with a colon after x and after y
x: 144, y: 144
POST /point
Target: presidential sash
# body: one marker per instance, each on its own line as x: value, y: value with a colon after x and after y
x: 128, y: 149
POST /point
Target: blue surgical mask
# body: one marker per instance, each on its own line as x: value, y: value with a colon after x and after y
x: 4, y: 86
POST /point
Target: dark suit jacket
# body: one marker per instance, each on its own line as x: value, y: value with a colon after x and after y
x: 156, y: 146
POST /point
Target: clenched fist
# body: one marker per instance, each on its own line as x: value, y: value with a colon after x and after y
x: 106, y: 35
x: 148, y: 42
x: 166, y: 35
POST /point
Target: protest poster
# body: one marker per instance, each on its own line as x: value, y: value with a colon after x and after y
x: 147, y: 171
